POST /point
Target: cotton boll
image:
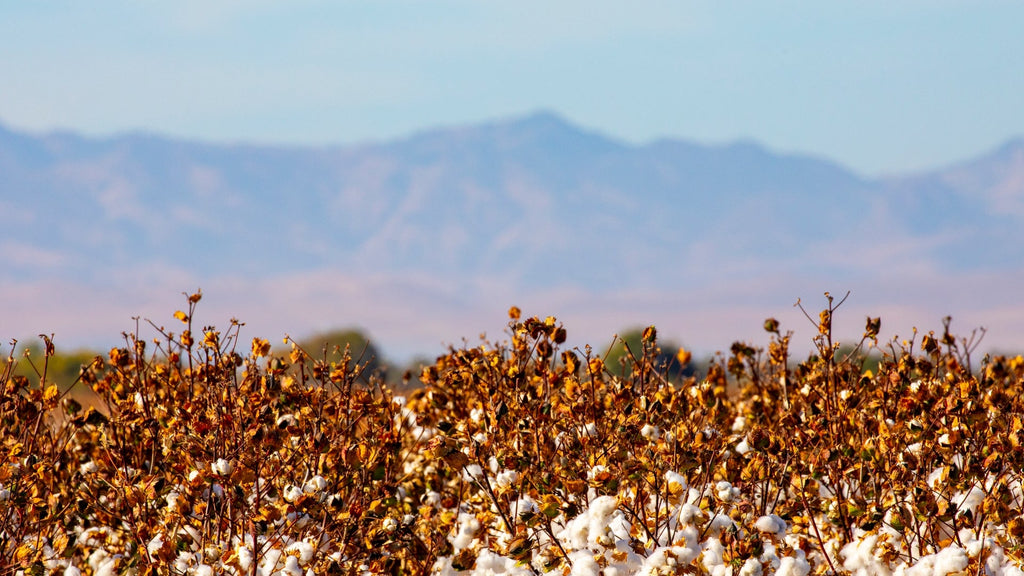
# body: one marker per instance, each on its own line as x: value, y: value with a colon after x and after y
x: 204, y: 570
x: 713, y: 556
x: 751, y: 567
x: 155, y: 544
x: 315, y: 485
x: 472, y: 472
x: 292, y: 493
x: 72, y: 571
x: 584, y: 564
x: 291, y: 567
x: 650, y: 432
x: 739, y: 424
x: 946, y: 561
x: 222, y: 467
x: 719, y: 523
x: 302, y: 549
x: 771, y: 524
x: 506, y: 479
x: 726, y: 492
x: 666, y: 558
x: 468, y: 526
x: 676, y: 482
x: 859, y: 557
x: 795, y: 565
x: 743, y: 447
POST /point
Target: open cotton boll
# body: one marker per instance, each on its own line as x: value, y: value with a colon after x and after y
x: 752, y: 567
x: 584, y: 564
x: 772, y: 524
x: 490, y: 564
x: 72, y: 571
x: 472, y: 472
x: 667, y: 558
x: 795, y: 565
x: 949, y: 560
x: 292, y: 493
x: 222, y: 467
x: 315, y: 485
x: 467, y: 528
x: 506, y: 479
x: 726, y: 492
x: 860, y: 559
x: 591, y: 526
x: 650, y: 432
x: 676, y: 482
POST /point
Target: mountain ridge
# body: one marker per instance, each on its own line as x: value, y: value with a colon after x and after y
x: 529, y: 205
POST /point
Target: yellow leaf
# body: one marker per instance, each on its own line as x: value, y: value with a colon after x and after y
x: 683, y: 356
x: 51, y: 393
x: 181, y: 316
x: 260, y: 347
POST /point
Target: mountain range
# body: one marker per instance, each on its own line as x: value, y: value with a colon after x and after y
x: 428, y: 239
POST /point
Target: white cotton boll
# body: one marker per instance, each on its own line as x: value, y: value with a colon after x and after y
x: 650, y: 432
x: 795, y: 565
x: 726, y: 492
x: 590, y: 430
x: 493, y: 464
x: 935, y: 478
x: 772, y: 524
x: 204, y: 570
x: 155, y: 544
x: 915, y: 448
x: 946, y: 561
x: 713, y: 555
x: 676, y: 482
x: 315, y: 485
x: 596, y: 472
x: 490, y: 563
x: 291, y: 567
x: 719, y: 523
x: 292, y: 493
x: 859, y: 557
x: 739, y: 424
x: 194, y: 476
x: 480, y: 438
x: 506, y: 479
x: 743, y: 447
x: 286, y: 421
x: 303, y: 549
x: 971, y: 500
x: 477, y: 415
x: 526, y: 507
x: 431, y: 498
x: 472, y: 473
x: 468, y: 526
x: 244, y: 555
x: 752, y: 567
x: 584, y: 564
x: 88, y: 468
x: 222, y: 467
x: 72, y: 571
x: 389, y: 525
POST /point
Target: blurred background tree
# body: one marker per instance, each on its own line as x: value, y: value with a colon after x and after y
x: 669, y: 358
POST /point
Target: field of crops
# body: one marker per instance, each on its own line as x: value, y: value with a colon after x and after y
x: 205, y: 453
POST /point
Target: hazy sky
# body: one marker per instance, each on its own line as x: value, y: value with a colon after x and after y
x: 878, y: 86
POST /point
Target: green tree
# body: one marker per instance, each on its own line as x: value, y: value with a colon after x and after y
x: 334, y: 343
x: 666, y: 355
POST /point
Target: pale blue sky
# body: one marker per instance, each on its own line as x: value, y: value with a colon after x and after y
x: 879, y: 86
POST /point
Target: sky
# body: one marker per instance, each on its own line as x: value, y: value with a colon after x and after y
x: 880, y: 87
